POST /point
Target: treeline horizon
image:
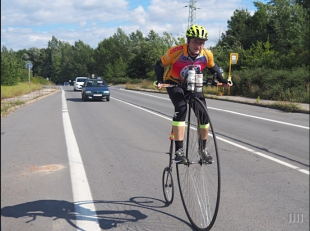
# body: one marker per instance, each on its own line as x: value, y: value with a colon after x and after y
x: 272, y: 45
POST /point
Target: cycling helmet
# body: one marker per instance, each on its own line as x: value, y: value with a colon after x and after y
x: 196, y: 31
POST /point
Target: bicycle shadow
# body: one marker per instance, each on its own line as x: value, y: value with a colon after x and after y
x: 110, y: 214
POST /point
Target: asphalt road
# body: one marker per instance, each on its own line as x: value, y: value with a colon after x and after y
x: 73, y: 165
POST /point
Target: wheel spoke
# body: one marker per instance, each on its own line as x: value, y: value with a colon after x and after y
x: 167, y: 183
x: 199, y: 182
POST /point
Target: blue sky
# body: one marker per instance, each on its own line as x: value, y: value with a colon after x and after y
x: 32, y: 23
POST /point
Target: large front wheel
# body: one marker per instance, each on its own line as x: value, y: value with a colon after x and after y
x: 199, y: 181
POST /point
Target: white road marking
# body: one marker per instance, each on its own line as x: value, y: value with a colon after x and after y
x: 261, y: 118
x: 86, y: 217
x: 237, y: 113
x: 227, y: 141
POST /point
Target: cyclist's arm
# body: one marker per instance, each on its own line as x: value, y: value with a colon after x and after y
x: 216, y: 69
x: 159, y: 71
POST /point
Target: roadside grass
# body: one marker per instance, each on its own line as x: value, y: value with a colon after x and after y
x: 211, y: 90
x: 144, y: 85
x: 25, y: 88
x: 15, y: 91
x: 148, y: 85
x: 18, y: 90
x: 6, y: 107
x: 287, y: 107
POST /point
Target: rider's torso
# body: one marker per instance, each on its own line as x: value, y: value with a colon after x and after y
x: 179, y: 62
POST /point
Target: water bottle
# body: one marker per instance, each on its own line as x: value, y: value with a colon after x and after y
x: 199, y: 81
x: 191, y: 79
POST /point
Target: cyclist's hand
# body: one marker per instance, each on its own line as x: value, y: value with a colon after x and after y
x: 157, y: 85
x: 229, y: 84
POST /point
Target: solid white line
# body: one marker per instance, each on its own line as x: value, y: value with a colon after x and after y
x: 227, y: 141
x: 237, y: 113
x: 266, y: 156
x: 86, y: 217
x: 260, y: 118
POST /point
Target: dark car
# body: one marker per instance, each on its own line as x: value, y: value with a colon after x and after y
x: 95, y: 89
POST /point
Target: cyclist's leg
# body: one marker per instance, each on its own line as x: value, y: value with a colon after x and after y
x: 204, y: 121
x: 176, y: 95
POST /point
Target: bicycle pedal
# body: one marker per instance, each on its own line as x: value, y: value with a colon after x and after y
x: 205, y: 162
x: 179, y: 161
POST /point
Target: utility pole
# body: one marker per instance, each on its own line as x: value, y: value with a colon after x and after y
x: 192, y: 13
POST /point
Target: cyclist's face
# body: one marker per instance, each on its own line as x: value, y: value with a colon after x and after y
x: 195, y: 46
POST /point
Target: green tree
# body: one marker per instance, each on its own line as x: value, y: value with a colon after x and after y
x: 33, y: 55
x: 11, y: 67
x: 54, y: 47
x: 116, y: 72
x: 239, y: 30
x: 44, y: 63
x: 109, y: 50
x: 146, y: 52
x: 83, y: 59
x: 260, y: 55
x: 289, y: 32
x: 67, y: 63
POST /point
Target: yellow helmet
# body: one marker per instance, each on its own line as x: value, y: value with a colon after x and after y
x: 196, y: 31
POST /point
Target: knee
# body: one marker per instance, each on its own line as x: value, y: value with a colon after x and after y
x: 180, y: 113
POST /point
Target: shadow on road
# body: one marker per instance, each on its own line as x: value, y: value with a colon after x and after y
x: 88, y: 101
x: 110, y: 214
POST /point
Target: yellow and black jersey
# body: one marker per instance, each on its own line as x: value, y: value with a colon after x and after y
x: 178, y: 62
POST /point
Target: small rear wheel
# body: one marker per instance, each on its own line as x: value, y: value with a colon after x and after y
x: 168, y: 188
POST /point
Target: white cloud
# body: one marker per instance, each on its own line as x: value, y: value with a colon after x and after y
x: 32, y: 23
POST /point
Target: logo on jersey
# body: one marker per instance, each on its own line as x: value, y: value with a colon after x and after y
x: 184, y: 71
x: 176, y: 49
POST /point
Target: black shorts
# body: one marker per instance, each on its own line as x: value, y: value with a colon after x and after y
x: 177, y: 97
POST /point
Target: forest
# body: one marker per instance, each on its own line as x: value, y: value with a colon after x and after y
x: 272, y: 45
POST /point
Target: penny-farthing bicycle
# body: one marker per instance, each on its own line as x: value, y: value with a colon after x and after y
x: 199, y: 181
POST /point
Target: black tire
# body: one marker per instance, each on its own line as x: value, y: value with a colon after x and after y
x: 108, y: 98
x: 84, y: 98
x: 199, y: 182
x: 168, y: 187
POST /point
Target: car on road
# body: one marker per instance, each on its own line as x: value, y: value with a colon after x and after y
x: 78, y: 82
x: 95, y: 89
x: 66, y: 84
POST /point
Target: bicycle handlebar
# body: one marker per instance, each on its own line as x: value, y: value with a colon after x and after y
x: 209, y: 81
x: 205, y: 83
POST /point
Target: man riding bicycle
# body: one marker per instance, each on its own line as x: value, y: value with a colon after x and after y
x: 179, y: 59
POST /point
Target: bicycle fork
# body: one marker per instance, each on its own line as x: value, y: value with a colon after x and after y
x: 171, y: 138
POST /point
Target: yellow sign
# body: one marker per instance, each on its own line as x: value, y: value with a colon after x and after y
x: 233, y: 58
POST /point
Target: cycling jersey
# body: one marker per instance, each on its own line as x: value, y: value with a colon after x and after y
x: 178, y: 60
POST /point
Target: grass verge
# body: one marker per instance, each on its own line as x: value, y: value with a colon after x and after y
x: 15, y: 91
x: 210, y: 90
x: 287, y: 107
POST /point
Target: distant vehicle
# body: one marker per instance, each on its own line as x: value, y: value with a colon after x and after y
x: 95, y: 89
x: 79, y: 81
x: 66, y: 84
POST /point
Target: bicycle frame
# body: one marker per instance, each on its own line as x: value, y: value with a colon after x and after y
x: 199, y: 181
